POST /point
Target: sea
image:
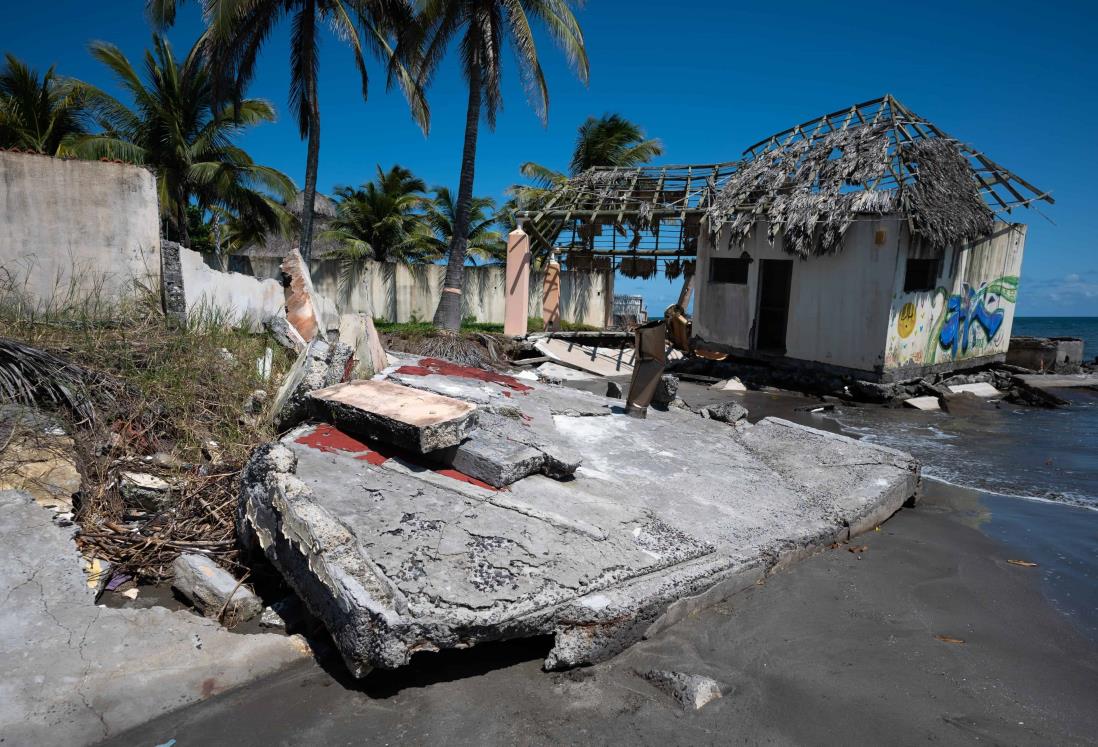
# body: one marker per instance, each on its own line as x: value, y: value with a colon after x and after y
x: 1037, y: 470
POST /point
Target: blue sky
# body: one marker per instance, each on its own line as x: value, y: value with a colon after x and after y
x: 1014, y: 79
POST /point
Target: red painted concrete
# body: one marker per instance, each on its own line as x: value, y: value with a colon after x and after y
x: 329, y: 439
x: 428, y: 366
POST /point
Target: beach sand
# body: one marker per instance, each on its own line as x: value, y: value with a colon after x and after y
x: 842, y: 647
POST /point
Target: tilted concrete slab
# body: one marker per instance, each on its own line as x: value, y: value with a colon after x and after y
x: 662, y: 516
x: 399, y: 415
x: 75, y: 673
x: 980, y: 389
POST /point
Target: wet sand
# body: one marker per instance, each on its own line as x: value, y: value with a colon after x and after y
x: 839, y: 648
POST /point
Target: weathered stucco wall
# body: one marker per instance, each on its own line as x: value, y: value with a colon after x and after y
x: 839, y: 303
x: 969, y: 313
x: 399, y: 293
x: 227, y: 297
x: 70, y: 229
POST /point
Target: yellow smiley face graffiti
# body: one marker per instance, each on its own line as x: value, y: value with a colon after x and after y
x: 906, y: 325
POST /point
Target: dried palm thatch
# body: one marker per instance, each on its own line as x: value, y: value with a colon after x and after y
x: 808, y: 184
x: 637, y: 267
x: 33, y: 377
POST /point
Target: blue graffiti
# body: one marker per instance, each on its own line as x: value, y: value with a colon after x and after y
x: 962, y: 310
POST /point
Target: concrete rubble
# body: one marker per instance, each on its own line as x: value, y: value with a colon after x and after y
x: 398, y: 552
x: 398, y: 415
x: 692, y: 691
x: 319, y: 365
x: 213, y: 590
x: 725, y: 412
x: 76, y: 672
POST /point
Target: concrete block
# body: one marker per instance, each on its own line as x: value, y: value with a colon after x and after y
x: 923, y: 403
x: 980, y: 389
x: 398, y: 415
x: 725, y: 412
x: 358, y: 331
x: 666, y: 390
x: 692, y: 691
x: 149, y: 492
x: 212, y: 589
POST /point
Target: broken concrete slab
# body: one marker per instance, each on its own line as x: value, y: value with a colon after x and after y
x: 556, y: 372
x: 398, y: 415
x: 76, y: 673
x: 318, y: 366
x: 213, y: 590
x: 285, y: 334
x: 980, y: 389
x: 923, y: 403
x: 303, y: 309
x: 692, y: 691
x: 509, y: 445
x: 358, y: 331
x: 663, y: 516
x: 601, y: 361
x: 1059, y: 381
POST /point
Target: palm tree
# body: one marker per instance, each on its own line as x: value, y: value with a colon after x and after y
x: 176, y: 128
x: 381, y: 220
x: 484, y: 28
x: 606, y: 141
x: 41, y: 114
x: 238, y: 29
x: 482, y: 240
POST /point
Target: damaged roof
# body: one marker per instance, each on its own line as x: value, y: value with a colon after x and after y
x: 809, y: 184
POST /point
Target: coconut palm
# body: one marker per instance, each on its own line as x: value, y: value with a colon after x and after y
x: 606, y: 141
x: 483, y: 28
x: 382, y: 220
x: 238, y: 29
x: 482, y: 239
x: 41, y: 114
x: 176, y: 128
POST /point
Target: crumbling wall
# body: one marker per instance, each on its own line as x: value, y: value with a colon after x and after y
x: 968, y: 315
x: 227, y: 297
x: 74, y: 229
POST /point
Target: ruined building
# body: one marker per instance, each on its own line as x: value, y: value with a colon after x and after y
x: 866, y: 241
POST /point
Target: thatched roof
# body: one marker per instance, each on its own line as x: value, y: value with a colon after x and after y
x: 809, y: 183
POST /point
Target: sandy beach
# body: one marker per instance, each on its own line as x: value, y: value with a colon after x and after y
x: 925, y: 633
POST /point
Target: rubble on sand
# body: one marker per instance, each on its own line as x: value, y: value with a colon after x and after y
x: 609, y: 529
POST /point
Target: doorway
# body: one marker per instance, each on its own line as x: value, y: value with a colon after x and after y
x: 775, y: 281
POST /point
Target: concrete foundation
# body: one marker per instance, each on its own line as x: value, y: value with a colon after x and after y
x: 663, y: 515
x: 1062, y: 354
x: 75, y: 672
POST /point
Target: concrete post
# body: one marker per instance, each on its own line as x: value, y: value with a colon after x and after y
x: 550, y: 305
x: 517, y: 283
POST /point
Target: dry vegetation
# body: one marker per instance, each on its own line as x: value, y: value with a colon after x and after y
x: 169, y: 402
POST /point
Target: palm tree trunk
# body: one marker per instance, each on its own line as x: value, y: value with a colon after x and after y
x: 312, y: 161
x: 448, y: 314
x: 687, y: 291
x: 181, y: 217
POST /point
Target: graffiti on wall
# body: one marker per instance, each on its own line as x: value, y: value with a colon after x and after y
x: 946, y: 326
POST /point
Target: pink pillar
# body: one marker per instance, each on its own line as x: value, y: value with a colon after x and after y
x: 517, y: 279
x: 550, y: 294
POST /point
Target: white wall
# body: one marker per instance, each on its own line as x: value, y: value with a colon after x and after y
x: 839, y: 303
x: 399, y: 292
x: 71, y: 228
x: 228, y: 297
x: 982, y: 279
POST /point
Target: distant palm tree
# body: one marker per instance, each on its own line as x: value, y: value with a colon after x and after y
x: 238, y: 29
x: 606, y: 141
x: 176, y: 128
x: 44, y: 114
x: 483, y: 241
x: 382, y: 219
x: 484, y: 28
